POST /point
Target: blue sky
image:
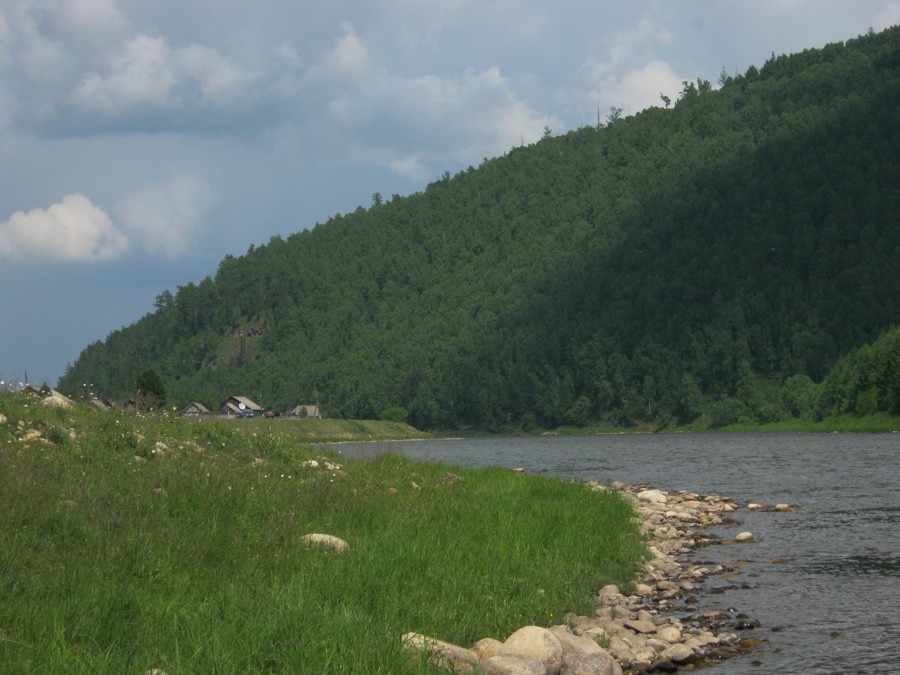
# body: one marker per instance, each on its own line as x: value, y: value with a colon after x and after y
x: 141, y: 142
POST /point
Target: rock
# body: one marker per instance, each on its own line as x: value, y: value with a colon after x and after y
x: 576, y: 644
x: 536, y: 643
x: 55, y: 401
x: 639, y: 626
x: 785, y: 508
x: 511, y: 664
x: 2, y: 419
x: 643, y: 590
x: 752, y: 506
x: 678, y: 653
x: 652, y: 496
x: 459, y: 659
x: 326, y: 541
x: 31, y: 435
x: 669, y: 634
x: 590, y: 664
x: 744, y: 537
x: 486, y: 648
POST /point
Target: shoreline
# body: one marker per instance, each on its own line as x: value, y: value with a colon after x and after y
x: 659, y: 627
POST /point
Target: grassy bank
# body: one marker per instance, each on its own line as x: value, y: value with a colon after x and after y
x: 131, y: 543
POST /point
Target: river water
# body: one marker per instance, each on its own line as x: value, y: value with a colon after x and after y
x: 831, y: 604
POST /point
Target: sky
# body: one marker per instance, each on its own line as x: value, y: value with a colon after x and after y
x: 141, y: 142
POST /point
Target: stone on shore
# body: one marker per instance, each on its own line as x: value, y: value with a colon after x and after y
x: 536, y: 643
x: 461, y: 660
x: 652, y: 496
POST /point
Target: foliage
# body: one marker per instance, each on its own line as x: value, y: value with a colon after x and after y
x: 150, y: 542
x: 676, y: 266
x: 150, y: 392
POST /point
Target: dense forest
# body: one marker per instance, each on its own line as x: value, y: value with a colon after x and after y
x: 732, y: 254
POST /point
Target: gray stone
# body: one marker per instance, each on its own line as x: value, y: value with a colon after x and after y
x: 640, y: 626
x: 590, y: 664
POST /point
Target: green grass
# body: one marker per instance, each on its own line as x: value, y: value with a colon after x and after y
x: 119, y: 555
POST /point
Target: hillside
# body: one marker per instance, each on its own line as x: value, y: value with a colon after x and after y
x: 653, y: 268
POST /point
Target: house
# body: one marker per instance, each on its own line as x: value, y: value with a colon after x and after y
x: 306, y: 410
x: 240, y: 406
x: 195, y: 409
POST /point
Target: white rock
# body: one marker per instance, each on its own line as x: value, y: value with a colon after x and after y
x: 327, y: 541
x: 652, y: 496
x: 744, y: 537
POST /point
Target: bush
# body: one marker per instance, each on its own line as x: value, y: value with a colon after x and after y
x: 395, y: 414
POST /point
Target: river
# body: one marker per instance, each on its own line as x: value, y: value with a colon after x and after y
x: 830, y: 602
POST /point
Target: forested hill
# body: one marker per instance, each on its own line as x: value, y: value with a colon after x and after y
x: 691, y: 259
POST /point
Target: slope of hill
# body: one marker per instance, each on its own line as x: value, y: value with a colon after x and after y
x: 649, y: 269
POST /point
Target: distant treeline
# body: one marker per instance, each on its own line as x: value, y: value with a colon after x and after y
x: 720, y: 258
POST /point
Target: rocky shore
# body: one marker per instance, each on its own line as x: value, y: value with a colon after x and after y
x: 659, y: 627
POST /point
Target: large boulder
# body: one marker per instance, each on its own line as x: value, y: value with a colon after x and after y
x: 536, y: 643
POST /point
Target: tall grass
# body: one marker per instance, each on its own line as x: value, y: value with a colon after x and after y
x: 120, y: 555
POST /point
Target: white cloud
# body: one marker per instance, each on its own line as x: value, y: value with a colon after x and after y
x: 169, y: 219
x: 148, y: 72
x: 73, y: 230
x: 402, y: 122
x: 640, y: 89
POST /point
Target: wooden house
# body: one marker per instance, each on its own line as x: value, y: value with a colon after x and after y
x: 195, y: 409
x: 240, y: 406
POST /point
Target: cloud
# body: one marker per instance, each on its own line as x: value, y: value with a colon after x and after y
x: 631, y: 76
x: 168, y: 219
x: 405, y: 122
x: 147, y: 72
x: 73, y: 230
x: 640, y: 89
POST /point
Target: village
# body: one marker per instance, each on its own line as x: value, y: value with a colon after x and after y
x: 234, y: 407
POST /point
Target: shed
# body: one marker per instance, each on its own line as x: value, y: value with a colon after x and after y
x: 306, y: 410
